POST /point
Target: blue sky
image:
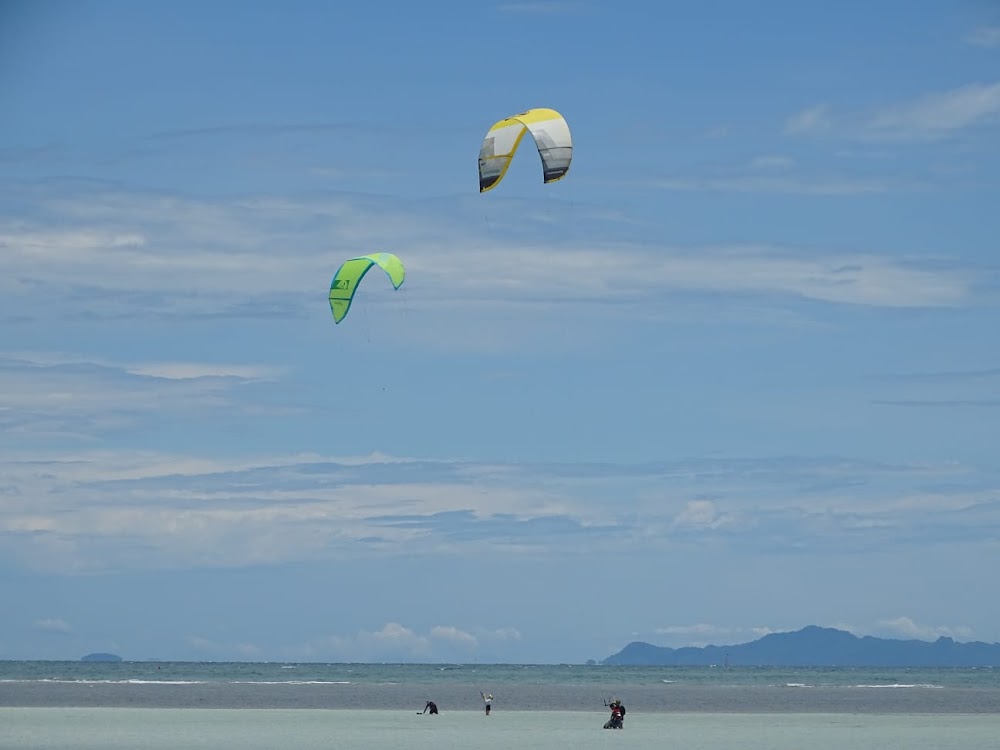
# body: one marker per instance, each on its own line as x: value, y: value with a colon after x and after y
x: 737, y: 373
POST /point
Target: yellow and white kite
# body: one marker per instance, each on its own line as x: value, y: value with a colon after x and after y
x: 551, y: 134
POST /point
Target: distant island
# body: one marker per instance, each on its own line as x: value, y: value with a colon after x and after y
x: 814, y: 646
x: 101, y: 657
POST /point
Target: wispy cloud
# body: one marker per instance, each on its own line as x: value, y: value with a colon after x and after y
x: 260, y: 129
x: 54, y: 625
x: 946, y: 376
x: 929, y: 117
x: 504, y: 634
x: 132, y: 255
x: 906, y: 627
x: 985, y: 36
x: 453, y: 635
x: 704, y: 634
x: 392, y: 641
x: 772, y: 162
x: 815, y: 119
x: 31, y: 154
x: 702, y: 514
x: 939, y: 114
x: 397, y: 642
x: 541, y: 7
x: 947, y: 403
x: 777, y: 173
x: 771, y: 184
x: 955, y: 389
x: 194, y: 370
x: 56, y: 393
x: 99, y: 511
x: 395, y: 637
x: 215, y: 649
x: 166, y: 370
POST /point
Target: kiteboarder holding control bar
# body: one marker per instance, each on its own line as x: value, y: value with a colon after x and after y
x: 617, y: 720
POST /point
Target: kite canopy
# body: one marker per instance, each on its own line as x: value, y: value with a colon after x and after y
x: 551, y: 135
x: 345, y: 281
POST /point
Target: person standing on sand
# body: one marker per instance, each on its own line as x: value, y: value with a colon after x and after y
x: 487, y: 701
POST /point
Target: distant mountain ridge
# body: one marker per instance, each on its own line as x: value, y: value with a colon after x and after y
x: 814, y: 646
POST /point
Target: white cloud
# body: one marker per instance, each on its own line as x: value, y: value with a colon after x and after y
x: 939, y: 114
x: 394, y: 636
x: 906, y: 627
x: 772, y: 162
x: 789, y: 185
x: 54, y: 625
x: 701, y: 630
x: 165, y: 370
x: 700, y: 635
x: 91, y: 254
x: 777, y: 173
x: 540, y: 7
x: 812, y: 120
x: 453, y: 635
x: 394, y: 641
x: 504, y: 634
x: 261, y: 256
x: 102, y: 510
x: 985, y: 36
x: 42, y: 245
x: 843, y: 279
x: 156, y: 519
x: 218, y: 649
x: 704, y: 634
x: 52, y: 393
x: 929, y: 117
x: 192, y: 370
x: 702, y: 514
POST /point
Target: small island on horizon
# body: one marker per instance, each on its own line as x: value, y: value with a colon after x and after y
x: 101, y: 656
x: 815, y: 646
x: 811, y: 646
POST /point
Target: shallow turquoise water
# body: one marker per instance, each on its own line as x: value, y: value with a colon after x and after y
x: 503, y: 674
x: 247, y: 729
x: 521, y: 688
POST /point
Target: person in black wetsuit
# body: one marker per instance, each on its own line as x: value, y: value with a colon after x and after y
x: 431, y: 706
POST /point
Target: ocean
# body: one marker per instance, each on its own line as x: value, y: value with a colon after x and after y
x: 145, y: 705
